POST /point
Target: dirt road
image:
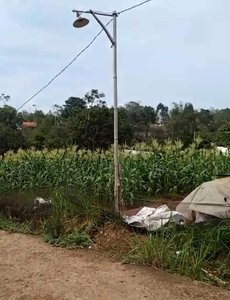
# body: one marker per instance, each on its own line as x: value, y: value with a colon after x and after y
x: 33, y: 270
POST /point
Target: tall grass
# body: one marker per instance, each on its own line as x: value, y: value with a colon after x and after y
x: 70, y: 220
x: 200, y: 253
x: 80, y: 184
x: 163, y: 170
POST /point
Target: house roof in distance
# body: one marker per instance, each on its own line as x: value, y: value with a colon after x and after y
x: 29, y: 124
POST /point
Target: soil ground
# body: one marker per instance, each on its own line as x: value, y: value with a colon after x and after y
x: 33, y: 270
x: 118, y: 240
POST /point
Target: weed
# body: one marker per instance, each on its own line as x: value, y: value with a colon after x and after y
x: 189, y: 251
x: 13, y: 226
x: 69, y: 222
x: 73, y: 240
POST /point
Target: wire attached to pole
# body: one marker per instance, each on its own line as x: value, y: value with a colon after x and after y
x: 66, y: 67
x: 79, y: 54
x: 133, y: 7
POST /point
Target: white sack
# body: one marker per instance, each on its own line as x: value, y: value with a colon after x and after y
x: 153, y: 218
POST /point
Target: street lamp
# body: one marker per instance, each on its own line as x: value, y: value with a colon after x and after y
x: 82, y: 22
x: 35, y: 107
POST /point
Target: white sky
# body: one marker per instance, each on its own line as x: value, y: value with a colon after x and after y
x: 168, y: 51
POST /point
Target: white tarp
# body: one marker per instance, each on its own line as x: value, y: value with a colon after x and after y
x: 210, y: 199
x: 153, y: 218
x: 40, y: 202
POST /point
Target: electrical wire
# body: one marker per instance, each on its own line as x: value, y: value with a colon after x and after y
x: 76, y: 57
x: 66, y: 67
x: 133, y: 7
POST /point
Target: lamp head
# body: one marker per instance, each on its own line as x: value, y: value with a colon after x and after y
x: 80, y: 22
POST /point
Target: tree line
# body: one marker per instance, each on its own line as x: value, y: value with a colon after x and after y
x: 88, y: 123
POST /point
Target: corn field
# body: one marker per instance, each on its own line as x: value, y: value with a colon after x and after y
x: 160, y: 170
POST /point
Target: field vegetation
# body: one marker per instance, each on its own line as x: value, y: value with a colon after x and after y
x: 159, y: 170
x: 80, y: 184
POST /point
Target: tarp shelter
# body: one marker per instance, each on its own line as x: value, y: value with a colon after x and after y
x: 209, y: 200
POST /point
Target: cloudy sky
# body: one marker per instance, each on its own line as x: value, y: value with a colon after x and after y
x: 168, y: 51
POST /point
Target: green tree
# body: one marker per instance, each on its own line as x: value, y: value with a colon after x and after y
x: 163, y: 112
x: 11, y: 137
x: 91, y: 128
x: 183, y: 122
x: 4, y: 98
x: 141, y: 117
x: 95, y: 98
x: 72, y: 104
x: 222, y: 136
x: 89, y: 123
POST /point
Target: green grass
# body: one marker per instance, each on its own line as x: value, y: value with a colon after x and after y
x: 80, y: 183
x: 69, y: 222
x: 13, y: 226
x: 71, y: 241
x: 199, y: 253
x: 202, y: 253
x: 75, y: 239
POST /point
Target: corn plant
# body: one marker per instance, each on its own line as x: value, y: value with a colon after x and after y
x: 157, y: 170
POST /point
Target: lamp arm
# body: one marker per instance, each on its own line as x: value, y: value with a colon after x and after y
x: 103, y: 27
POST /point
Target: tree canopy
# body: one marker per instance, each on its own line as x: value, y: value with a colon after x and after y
x: 88, y: 122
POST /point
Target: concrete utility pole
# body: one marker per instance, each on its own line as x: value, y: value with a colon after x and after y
x: 82, y: 22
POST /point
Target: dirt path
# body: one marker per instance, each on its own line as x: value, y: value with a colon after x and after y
x: 33, y: 270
